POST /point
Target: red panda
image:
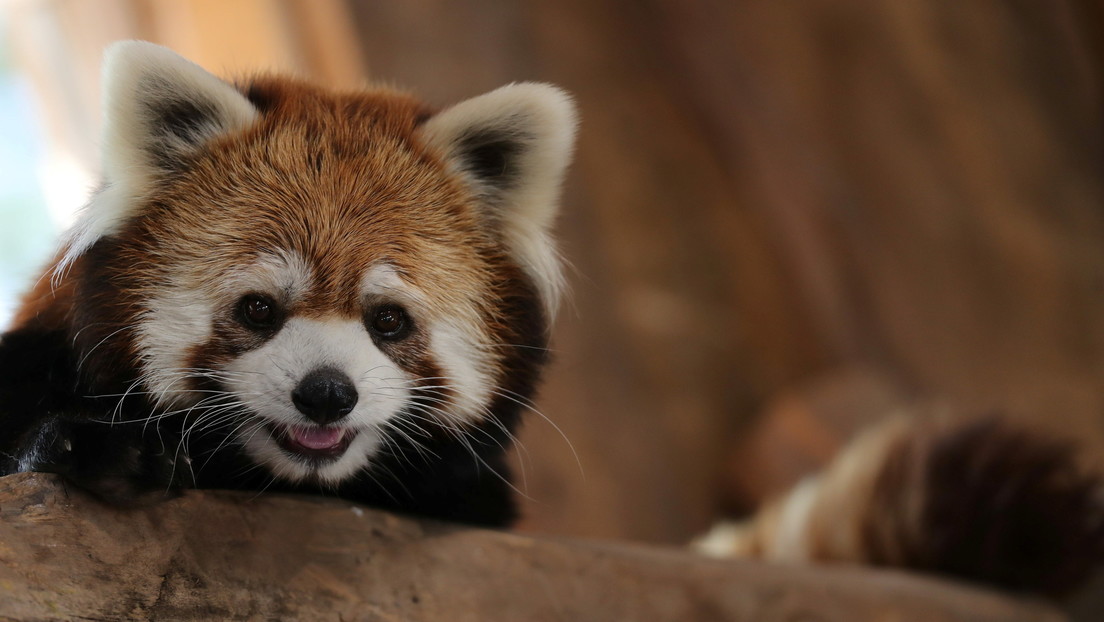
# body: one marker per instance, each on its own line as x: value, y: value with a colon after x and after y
x: 281, y: 287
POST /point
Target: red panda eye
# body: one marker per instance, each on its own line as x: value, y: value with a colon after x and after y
x: 257, y: 311
x: 389, y: 322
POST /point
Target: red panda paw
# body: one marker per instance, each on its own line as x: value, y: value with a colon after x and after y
x: 120, y: 464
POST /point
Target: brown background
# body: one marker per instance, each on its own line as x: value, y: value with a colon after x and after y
x: 786, y: 218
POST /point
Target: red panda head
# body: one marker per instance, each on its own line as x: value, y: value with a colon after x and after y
x: 300, y: 267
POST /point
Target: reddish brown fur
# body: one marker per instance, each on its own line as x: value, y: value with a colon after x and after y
x: 340, y: 179
x: 47, y: 304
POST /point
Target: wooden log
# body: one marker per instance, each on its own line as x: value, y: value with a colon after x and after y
x: 220, y: 555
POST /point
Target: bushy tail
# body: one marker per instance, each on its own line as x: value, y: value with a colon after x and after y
x: 983, y: 501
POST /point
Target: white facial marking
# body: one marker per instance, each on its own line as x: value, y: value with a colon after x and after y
x: 262, y: 447
x: 264, y: 379
x: 459, y: 356
x: 383, y: 280
x: 180, y: 317
x: 455, y: 347
x: 176, y: 320
x: 284, y: 275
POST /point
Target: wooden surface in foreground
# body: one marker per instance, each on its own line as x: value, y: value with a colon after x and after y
x: 218, y: 555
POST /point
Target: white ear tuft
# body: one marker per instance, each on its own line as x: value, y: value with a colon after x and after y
x: 159, y: 108
x: 513, y: 146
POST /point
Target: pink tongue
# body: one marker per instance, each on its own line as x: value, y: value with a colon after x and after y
x: 314, y: 437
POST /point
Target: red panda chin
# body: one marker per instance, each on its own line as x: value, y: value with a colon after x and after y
x: 312, y: 441
x: 307, y: 454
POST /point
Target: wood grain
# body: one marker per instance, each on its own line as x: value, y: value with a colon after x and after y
x: 226, y: 556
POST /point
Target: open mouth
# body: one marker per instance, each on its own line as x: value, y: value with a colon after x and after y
x: 313, y: 441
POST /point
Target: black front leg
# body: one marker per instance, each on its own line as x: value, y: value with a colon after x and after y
x: 37, y: 379
x: 49, y: 423
x: 123, y: 464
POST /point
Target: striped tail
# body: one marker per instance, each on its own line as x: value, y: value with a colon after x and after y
x: 982, y: 501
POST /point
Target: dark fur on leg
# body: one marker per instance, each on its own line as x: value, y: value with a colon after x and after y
x: 50, y: 423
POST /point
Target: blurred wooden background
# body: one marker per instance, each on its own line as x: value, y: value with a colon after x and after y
x: 785, y: 220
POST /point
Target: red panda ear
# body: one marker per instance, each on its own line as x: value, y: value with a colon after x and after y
x: 159, y: 108
x: 512, y: 146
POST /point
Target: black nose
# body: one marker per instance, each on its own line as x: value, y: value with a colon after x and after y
x: 325, y: 395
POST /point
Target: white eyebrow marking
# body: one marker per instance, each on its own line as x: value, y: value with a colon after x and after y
x: 383, y: 279
x: 284, y: 272
x: 454, y: 341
